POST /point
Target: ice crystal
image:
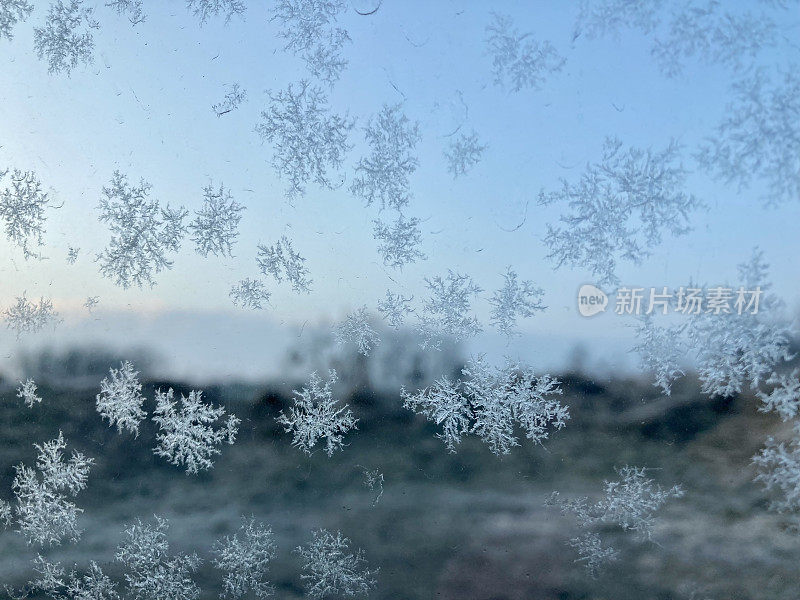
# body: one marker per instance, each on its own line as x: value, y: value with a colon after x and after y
x: 131, y: 8
x: 120, y: 399
x: 216, y: 225
x: 152, y: 574
x: 394, y: 308
x: 207, y: 9
x: 373, y: 481
x: 515, y: 300
x: 445, y: 314
x: 66, y: 38
x: 309, y: 141
x: 250, y: 293
x: 22, y: 206
x: 28, y: 317
x: 187, y: 436
x: 356, y: 330
x: 245, y: 560
x: 43, y: 512
x: 72, y: 254
x: 54, y: 581
x: 463, y: 153
x: 759, y: 138
x: 598, y: 18
x: 443, y: 404
x: 11, y: 13
x: 233, y: 98
x: 784, y: 398
x: 5, y: 513
x: 382, y: 176
x: 316, y: 415
x: 330, y: 569
x: 91, y: 303
x: 619, y: 209
x: 662, y: 352
x: 282, y: 262
x: 27, y: 392
x: 399, y: 242
x: 779, y: 469
x: 142, y: 233
x: 518, y: 60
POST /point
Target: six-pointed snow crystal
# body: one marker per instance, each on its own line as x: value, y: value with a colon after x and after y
x: 329, y: 567
x: 399, y: 242
x: 356, y: 330
x: 245, y: 557
x: 67, y: 37
x: 22, y: 205
x: 120, y: 399
x: 515, y: 300
x: 446, y: 312
x: 216, y: 225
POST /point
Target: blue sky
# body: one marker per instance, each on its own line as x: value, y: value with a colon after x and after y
x: 144, y: 107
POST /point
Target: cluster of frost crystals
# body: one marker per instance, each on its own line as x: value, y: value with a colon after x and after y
x: 382, y: 176
x: 309, y: 140
x: 233, y: 98
x: 53, y: 580
x: 43, y: 512
x: 330, y: 569
x: 316, y: 415
x: 282, y: 262
x: 356, y: 330
x: 244, y: 558
x: 120, y: 399
x: 629, y: 503
x: 29, y: 317
x: 394, y: 308
x: 133, y: 9
x: 759, y: 138
x: 66, y: 38
x: 187, y: 436
x: 445, y: 313
x: 27, y: 392
x: 216, y: 225
x: 518, y: 60
x: 784, y: 398
x: 308, y: 27
x: 515, y: 300
x: 250, y: 293
x: 778, y: 464
x: 463, y: 153
x: 598, y: 18
x: 207, y: 9
x: 152, y: 574
x: 491, y: 402
x: 11, y: 13
x: 662, y: 352
x: 22, y: 206
x: 399, y: 242
x: 142, y: 233
x: 619, y: 209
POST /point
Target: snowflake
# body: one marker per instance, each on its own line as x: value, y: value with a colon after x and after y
x: 132, y: 8
x: 231, y: 102
x: 518, y: 60
x: 662, y: 352
x: 331, y: 569
x: 43, y: 512
x: 54, y: 581
x: 142, y: 233
x: 216, y: 226
x: 629, y: 503
x: 394, y: 309
x: 120, y: 399
x: 383, y: 176
x: 22, y: 208
x: 28, y: 317
x: 250, y: 293
x: 784, y: 398
x: 779, y: 468
x: 186, y: 434
x: 463, y: 153
x: 152, y: 573
x: 91, y: 303
x: 515, y: 300
x: 206, y: 9
x: 759, y: 137
x: 282, y: 262
x: 619, y: 209
x: 245, y: 561
x: 446, y: 312
x: 66, y: 38
x: 309, y: 140
x: 27, y: 391
x: 315, y: 415
x: 307, y: 27
x: 399, y: 242
x: 11, y: 13
x: 72, y: 254
x: 373, y: 481
x: 356, y: 329
x: 489, y: 402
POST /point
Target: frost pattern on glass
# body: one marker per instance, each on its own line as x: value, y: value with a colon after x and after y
x: 394, y: 308
x: 399, y: 242
x: 22, y: 206
x: 244, y: 558
x: 54, y: 580
x: 446, y: 312
x: 120, y: 399
x: 250, y: 293
x: 309, y: 141
x: 233, y: 98
x: 11, y: 13
x: 598, y: 18
x: 463, y: 153
x: 187, y: 434
x: 208, y: 9
x: 331, y: 569
x: 27, y: 392
x: 282, y: 262
x: 517, y: 299
x: 316, y: 415
x: 356, y: 330
x: 784, y: 398
x: 132, y: 9
x: 66, y: 39
x: 619, y: 209
x: 216, y: 225
x: 29, y: 317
